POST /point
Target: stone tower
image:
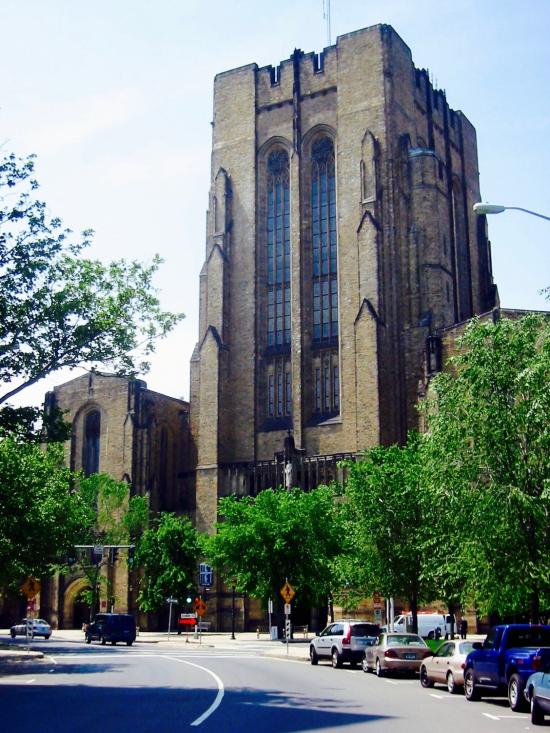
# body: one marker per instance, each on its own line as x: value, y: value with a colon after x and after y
x: 340, y: 237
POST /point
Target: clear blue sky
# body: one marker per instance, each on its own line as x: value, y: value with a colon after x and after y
x: 115, y: 98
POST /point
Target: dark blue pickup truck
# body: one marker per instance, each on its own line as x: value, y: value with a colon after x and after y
x: 504, y: 661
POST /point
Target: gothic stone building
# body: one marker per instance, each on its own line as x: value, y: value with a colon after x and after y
x: 340, y: 238
x: 121, y: 428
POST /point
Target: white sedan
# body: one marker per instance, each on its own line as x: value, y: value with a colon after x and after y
x: 39, y: 628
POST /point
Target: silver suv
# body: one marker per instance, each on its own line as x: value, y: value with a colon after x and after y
x: 343, y: 641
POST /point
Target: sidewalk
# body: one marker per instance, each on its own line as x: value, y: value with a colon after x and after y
x: 298, y: 649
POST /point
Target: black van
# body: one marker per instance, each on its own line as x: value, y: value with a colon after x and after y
x: 112, y: 627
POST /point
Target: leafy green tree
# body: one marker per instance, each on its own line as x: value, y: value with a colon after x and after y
x: 40, y: 515
x: 59, y: 309
x: 487, y: 462
x: 167, y: 554
x: 279, y: 535
x: 386, y: 512
x: 113, y: 518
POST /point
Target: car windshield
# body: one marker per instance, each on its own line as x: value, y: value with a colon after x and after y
x: 465, y: 647
x: 529, y: 636
x: 405, y: 640
x: 365, y: 630
x: 40, y: 621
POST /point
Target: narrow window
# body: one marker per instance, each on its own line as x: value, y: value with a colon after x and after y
x: 91, y: 444
x: 271, y: 395
x: 323, y: 238
x: 278, y: 249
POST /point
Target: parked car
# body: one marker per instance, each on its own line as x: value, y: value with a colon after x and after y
x: 112, y: 627
x: 39, y: 628
x: 537, y: 694
x: 395, y: 653
x: 343, y: 641
x: 446, y: 666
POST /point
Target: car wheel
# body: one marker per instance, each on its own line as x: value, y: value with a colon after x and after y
x: 471, y: 690
x: 313, y: 658
x: 452, y: 687
x: 379, y: 670
x: 336, y: 659
x: 364, y: 665
x: 425, y: 681
x: 537, y: 716
x: 515, y: 693
x: 129, y: 643
x: 12, y: 633
x: 102, y: 640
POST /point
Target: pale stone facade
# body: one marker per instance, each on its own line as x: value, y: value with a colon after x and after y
x: 121, y: 428
x: 393, y: 249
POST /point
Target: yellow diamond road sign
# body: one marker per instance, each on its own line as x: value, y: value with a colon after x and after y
x: 30, y: 588
x: 287, y: 592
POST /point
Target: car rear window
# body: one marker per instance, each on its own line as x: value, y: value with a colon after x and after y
x: 405, y: 640
x: 466, y: 647
x: 534, y: 636
x: 365, y: 630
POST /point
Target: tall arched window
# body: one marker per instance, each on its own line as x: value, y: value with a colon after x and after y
x: 278, y: 249
x: 91, y: 443
x: 325, y: 396
x: 323, y: 235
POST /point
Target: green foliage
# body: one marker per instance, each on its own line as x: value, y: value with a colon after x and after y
x: 386, y: 509
x: 168, y: 554
x: 40, y: 516
x: 114, y: 516
x: 487, y: 463
x: 59, y: 309
x: 276, y: 535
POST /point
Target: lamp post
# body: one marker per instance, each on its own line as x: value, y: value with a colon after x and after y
x: 481, y: 209
x: 233, y: 609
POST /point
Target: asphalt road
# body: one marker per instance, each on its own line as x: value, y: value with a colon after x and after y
x: 163, y: 687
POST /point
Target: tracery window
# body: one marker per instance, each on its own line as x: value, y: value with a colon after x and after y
x: 326, y: 384
x: 279, y: 388
x: 91, y: 443
x: 278, y: 249
x: 323, y: 236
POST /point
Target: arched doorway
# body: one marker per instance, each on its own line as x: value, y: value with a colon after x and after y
x: 75, y: 611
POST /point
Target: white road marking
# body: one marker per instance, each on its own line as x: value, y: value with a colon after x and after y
x: 219, y: 696
x: 219, y: 683
x: 440, y: 697
x: 492, y: 717
x: 29, y: 681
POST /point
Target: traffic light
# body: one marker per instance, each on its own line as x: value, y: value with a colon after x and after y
x: 72, y: 558
x: 113, y: 555
x: 131, y: 552
x: 97, y: 554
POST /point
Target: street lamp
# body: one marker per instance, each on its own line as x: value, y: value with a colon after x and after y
x: 233, y: 583
x: 481, y: 209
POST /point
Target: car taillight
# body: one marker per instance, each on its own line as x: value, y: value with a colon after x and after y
x: 427, y: 653
x: 390, y: 653
x: 463, y: 665
x: 347, y: 638
x: 537, y: 662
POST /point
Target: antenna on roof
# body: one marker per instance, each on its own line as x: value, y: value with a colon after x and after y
x: 326, y: 16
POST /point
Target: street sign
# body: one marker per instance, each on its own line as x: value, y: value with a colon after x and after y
x: 288, y: 609
x: 287, y: 592
x: 200, y: 607
x: 30, y: 588
x: 206, y: 574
